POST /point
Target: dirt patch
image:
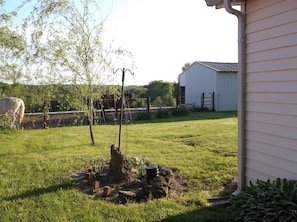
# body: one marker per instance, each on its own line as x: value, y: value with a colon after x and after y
x: 135, y: 188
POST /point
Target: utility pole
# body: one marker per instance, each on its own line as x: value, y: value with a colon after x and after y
x: 122, y: 101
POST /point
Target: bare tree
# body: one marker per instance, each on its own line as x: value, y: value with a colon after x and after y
x: 66, y: 42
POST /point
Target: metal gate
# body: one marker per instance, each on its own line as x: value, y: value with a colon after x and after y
x: 208, y: 101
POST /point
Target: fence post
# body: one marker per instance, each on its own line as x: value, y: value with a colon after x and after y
x: 213, y: 101
x: 148, y: 104
x: 202, y: 102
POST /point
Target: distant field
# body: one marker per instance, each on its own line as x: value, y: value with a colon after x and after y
x: 37, y: 166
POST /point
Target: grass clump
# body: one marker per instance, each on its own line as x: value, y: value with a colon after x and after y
x: 179, y: 112
x: 163, y: 113
x: 5, y: 124
x: 144, y: 116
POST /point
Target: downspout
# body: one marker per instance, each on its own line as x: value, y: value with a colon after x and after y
x: 241, y: 93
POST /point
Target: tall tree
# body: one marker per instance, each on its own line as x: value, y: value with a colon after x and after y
x: 12, y: 52
x: 186, y: 66
x: 67, y: 45
x: 163, y: 90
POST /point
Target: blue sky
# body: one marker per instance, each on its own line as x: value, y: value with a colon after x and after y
x: 165, y: 34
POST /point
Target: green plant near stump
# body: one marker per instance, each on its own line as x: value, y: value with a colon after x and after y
x: 96, y: 169
x: 266, y: 201
x: 135, y: 164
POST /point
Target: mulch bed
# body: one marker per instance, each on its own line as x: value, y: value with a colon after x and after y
x: 132, y: 185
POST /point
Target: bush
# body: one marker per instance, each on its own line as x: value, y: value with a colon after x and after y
x: 144, y: 116
x: 163, y: 113
x: 5, y: 124
x: 135, y: 164
x: 266, y: 201
x: 179, y: 112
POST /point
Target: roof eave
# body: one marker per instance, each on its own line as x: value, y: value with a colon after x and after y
x: 214, y: 2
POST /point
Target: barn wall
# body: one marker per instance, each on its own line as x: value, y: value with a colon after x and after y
x: 226, y: 92
x: 271, y: 89
x: 182, y: 79
x: 199, y: 79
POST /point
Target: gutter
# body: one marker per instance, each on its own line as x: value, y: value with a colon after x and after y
x: 241, y: 93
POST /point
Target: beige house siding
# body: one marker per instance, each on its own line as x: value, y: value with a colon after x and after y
x: 271, y: 89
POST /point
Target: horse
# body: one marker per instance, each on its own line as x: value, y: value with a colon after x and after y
x: 114, y: 101
x: 13, y: 107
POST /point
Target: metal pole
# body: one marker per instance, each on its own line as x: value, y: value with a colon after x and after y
x: 122, y: 106
x: 122, y: 103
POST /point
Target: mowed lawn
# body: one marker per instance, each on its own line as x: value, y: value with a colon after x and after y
x: 36, y: 169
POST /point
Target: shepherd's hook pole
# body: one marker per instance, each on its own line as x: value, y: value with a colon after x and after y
x: 122, y: 99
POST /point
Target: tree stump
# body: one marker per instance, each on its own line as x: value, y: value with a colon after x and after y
x: 117, y: 171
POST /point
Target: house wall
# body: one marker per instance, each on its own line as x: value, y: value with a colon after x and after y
x: 271, y: 89
x: 226, y: 92
x: 198, y: 79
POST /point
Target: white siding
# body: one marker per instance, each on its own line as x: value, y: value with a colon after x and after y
x: 271, y: 89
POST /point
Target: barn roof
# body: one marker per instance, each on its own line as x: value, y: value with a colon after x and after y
x: 221, y: 66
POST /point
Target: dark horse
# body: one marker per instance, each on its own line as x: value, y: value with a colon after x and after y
x: 112, y: 101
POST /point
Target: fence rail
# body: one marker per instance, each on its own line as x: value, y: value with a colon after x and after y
x: 78, y: 118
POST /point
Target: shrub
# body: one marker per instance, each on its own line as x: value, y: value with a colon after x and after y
x: 179, y: 112
x: 96, y: 168
x: 135, y: 164
x: 266, y: 201
x: 163, y: 113
x: 5, y: 124
x: 144, y: 116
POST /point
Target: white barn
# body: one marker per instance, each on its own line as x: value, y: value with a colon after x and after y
x: 216, y: 81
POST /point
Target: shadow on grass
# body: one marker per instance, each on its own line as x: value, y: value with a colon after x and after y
x: 38, y: 192
x: 205, y: 214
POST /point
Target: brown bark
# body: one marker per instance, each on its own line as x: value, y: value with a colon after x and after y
x: 116, y: 172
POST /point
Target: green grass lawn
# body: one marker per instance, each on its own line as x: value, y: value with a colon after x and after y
x: 36, y: 169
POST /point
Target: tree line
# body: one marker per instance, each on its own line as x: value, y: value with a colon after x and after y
x: 55, y: 52
x: 59, y: 97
